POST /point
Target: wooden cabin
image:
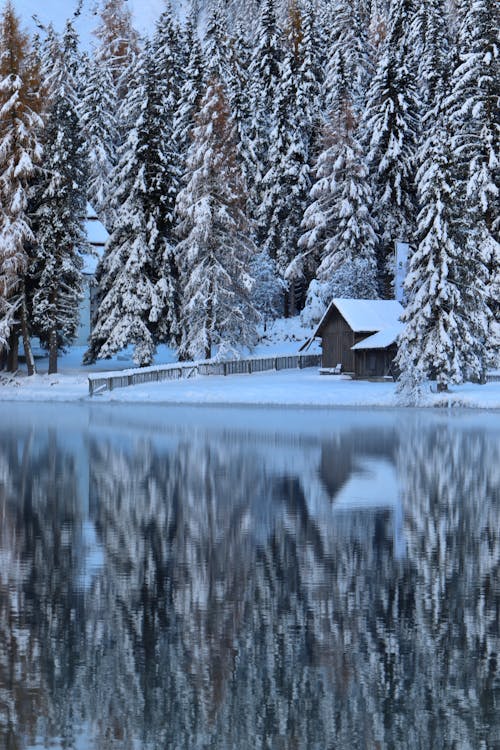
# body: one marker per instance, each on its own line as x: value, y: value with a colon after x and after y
x: 360, y: 335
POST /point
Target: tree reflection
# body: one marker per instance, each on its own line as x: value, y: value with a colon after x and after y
x: 249, y: 591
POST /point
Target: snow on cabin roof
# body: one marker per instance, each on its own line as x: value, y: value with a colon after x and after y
x: 369, y: 314
x: 381, y: 339
x: 365, y: 314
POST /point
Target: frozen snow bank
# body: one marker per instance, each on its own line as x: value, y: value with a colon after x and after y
x: 285, y: 388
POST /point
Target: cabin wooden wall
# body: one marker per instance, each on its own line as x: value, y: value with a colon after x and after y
x: 337, y: 339
x: 373, y: 363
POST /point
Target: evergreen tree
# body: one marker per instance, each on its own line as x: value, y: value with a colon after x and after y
x: 265, y: 74
x: 338, y: 223
x: 129, y: 303
x: 447, y: 315
x: 215, y: 248
x: 432, y: 42
x: 475, y: 105
x: 190, y: 94
x: 116, y: 52
x: 350, y: 38
x: 98, y: 118
x: 163, y: 170
x: 216, y: 47
x: 20, y: 152
x: 239, y: 92
x: 286, y: 184
x: 60, y: 200
x: 389, y: 130
x: 118, y: 43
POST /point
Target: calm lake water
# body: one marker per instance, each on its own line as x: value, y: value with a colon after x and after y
x: 210, y: 578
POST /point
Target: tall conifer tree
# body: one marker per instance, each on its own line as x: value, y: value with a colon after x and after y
x: 215, y: 249
x: 128, y: 301
x: 475, y: 105
x: 60, y: 200
x: 390, y: 126
x: 20, y: 152
x: 447, y: 314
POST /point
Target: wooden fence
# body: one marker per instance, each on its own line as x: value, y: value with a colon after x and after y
x: 109, y: 381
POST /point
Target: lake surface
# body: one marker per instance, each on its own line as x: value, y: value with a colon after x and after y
x: 254, y: 578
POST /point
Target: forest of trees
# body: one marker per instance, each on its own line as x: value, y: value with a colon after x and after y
x: 256, y: 159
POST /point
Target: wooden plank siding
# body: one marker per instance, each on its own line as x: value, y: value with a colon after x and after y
x: 337, y: 340
x: 375, y: 363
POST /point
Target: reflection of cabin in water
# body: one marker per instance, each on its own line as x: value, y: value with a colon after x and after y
x: 360, y: 335
x: 97, y: 237
x: 359, y: 475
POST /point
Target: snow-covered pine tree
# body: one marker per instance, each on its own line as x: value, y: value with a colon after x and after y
x: 238, y: 89
x: 350, y: 37
x: 475, y: 105
x: 215, y: 249
x: 432, y: 40
x: 216, y: 44
x: 60, y: 202
x: 286, y: 184
x: 310, y: 75
x: 116, y: 51
x: 20, y: 152
x: 163, y: 170
x: 191, y: 92
x: 265, y: 78
x: 447, y: 314
x: 97, y: 111
x: 128, y: 301
x: 118, y: 43
x: 389, y: 131
x: 340, y: 232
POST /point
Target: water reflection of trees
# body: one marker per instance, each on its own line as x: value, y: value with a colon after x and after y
x: 235, y: 610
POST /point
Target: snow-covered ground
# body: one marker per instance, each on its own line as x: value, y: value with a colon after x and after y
x: 284, y: 388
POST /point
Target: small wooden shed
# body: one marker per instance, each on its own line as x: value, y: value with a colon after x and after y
x: 360, y: 335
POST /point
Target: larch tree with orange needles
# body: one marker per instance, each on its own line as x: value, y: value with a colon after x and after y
x: 20, y: 152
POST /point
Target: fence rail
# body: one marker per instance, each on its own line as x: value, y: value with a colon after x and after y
x: 109, y: 381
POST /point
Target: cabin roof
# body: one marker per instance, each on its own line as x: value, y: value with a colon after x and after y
x: 380, y: 340
x: 365, y: 314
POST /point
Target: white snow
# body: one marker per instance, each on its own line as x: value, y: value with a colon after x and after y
x: 303, y: 388
x: 380, y: 340
x: 367, y: 314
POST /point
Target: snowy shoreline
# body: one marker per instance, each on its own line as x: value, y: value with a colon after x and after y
x: 293, y: 389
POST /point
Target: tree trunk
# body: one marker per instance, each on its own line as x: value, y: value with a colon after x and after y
x: 28, y: 353
x: 12, y: 358
x: 208, y: 350
x: 442, y: 387
x: 53, y: 352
